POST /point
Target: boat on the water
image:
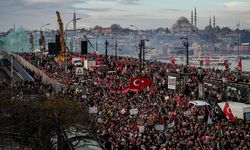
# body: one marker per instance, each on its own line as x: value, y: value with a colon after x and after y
x: 212, y: 61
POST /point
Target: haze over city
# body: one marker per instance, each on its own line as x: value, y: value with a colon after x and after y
x: 146, y: 14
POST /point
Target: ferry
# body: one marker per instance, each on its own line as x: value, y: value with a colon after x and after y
x: 214, y: 60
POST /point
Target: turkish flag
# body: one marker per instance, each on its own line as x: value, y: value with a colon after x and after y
x: 226, y: 64
x: 120, y: 67
x: 227, y: 111
x: 177, y: 100
x: 126, y: 90
x: 171, y: 118
x: 207, y: 61
x: 139, y: 83
x: 172, y: 60
x: 161, y: 119
x: 240, y: 64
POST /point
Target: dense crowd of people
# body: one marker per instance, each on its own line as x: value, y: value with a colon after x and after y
x: 155, y: 117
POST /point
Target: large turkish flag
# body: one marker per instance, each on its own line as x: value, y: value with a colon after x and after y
x: 139, y: 83
x: 227, y: 111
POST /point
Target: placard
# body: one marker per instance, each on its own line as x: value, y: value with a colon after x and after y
x: 133, y: 111
x: 159, y: 127
x: 92, y: 110
x: 141, y: 129
x: 91, y: 63
x: 85, y: 64
x: 171, y: 82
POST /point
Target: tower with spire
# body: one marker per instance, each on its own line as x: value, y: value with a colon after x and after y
x: 195, y: 18
x: 74, y: 21
x: 192, y: 18
x: 210, y: 23
x: 214, y: 21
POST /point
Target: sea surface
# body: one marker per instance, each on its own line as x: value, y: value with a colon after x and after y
x: 234, y: 64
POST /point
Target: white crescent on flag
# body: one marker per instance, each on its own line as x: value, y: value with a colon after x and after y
x: 216, y: 110
x: 229, y: 110
x: 136, y: 82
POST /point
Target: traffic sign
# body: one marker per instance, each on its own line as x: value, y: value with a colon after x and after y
x: 79, y: 70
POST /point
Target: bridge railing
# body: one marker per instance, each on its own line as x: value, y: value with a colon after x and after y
x: 45, y: 79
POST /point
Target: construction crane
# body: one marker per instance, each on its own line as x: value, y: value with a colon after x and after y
x: 42, y: 41
x: 62, y: 41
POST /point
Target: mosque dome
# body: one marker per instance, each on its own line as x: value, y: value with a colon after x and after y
x: 182, y: 20
x: 182, y: 25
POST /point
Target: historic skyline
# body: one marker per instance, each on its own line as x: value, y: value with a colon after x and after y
x: 146, y: 14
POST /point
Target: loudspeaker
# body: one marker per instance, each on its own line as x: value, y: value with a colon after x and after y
x: 53, y: 49
x: 58, y: 39
x: 84, y: 47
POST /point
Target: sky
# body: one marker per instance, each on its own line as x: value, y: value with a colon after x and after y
x: 145, y: 14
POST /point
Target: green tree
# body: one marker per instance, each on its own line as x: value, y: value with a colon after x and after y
x: 39, y: 119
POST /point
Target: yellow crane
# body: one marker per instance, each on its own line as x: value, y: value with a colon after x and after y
x: 62, y: 41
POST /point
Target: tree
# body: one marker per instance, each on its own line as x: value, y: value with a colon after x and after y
x: 116, y: 28
x: 97, y: 27
x: 167, y: 30
x: 39, y: 119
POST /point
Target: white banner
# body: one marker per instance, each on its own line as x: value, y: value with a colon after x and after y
x: 171, y: 82
x: 86, y: 64
x: 79, y: 70
x: 159, y: 127
x: 141, y: 129
x: 201, y: 90
x: 133, y: 111
x: 91, y: 63
x: 92, y: 110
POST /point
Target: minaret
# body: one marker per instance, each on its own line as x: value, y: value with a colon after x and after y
x: 214, y: 21
x: 74, y: 21
x: 210, y: 25
x: 195, y: 18
x: 192, y: 18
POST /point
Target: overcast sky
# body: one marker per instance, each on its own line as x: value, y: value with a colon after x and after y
x: 146, y: 14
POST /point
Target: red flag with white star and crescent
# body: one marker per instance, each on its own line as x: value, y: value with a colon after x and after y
x: 227, y: 111
x: 139, y: 83
x: 240, y: 65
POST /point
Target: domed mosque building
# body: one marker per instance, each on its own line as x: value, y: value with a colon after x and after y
x: 183, y: 25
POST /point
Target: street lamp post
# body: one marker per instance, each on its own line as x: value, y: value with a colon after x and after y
x: 106, y: 50
x: 116, y: 42
x: 238, y: 27
x: 67, y: 27
x: 186, y: 44
x: 143, y: 50
x: 22, y: 37
x: 140, y: 56
x: 44, y: 26
x: 96, y: 43
x: 116, y: 47
x: 139, y: 31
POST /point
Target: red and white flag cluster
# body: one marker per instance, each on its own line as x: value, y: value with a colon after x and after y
x: 137, y: 84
